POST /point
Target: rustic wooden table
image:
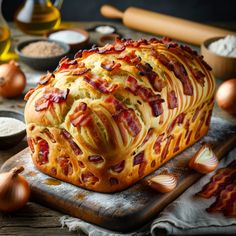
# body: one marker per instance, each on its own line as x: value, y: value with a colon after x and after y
x: 35, y: 219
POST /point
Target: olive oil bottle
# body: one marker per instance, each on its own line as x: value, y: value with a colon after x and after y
x: 38, y: 16
x: 4, y: 40
x: 4, y: 35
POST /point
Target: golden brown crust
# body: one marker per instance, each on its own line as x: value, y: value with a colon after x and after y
x: 114, y: 114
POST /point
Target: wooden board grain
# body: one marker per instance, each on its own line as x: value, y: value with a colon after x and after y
x: 128, y: 209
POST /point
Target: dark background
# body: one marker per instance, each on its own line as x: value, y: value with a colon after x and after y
x: 88, y: 10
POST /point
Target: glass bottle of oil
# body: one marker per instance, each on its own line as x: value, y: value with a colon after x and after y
x: 4, y: 35
x: 38, y: 16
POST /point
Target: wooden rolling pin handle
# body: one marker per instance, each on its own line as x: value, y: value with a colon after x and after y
x: 111, y: 12
x: 223, y: 149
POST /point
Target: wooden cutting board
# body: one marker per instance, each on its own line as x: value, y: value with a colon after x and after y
x: 131, y: 208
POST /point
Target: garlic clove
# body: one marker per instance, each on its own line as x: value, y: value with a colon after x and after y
x: 204, y: 161
x: 163, y: 183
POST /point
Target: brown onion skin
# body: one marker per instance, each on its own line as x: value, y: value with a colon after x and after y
x: 14, y: 190
x: 12, y: 80
x: 226, y: 96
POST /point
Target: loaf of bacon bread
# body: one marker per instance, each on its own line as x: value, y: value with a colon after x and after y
x: 114, y: 114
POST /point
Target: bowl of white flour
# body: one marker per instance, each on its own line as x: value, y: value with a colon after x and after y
x: 12, y: 128
x: 220, y: 54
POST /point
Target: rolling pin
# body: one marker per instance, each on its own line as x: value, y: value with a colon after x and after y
x: 160, y: 24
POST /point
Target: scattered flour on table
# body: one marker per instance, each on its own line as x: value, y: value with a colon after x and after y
x: 9, y: 126
x: 225, y: 46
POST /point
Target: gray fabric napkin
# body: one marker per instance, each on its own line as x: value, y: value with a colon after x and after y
x: 185, y: 216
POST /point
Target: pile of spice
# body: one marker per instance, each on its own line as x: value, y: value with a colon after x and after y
x: 10, y: 126
x: 42, y: 49
x: 68, y: 36
x: 224, y: 47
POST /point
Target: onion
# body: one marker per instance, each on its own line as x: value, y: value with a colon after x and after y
x: 12, y: 80
x: 14, y: 190
x: 204, y: 160
x: 226, y: 96
x: 163, y: 183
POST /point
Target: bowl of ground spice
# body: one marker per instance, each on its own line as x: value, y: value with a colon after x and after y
x: 12, y: 128
x: 42, y: 54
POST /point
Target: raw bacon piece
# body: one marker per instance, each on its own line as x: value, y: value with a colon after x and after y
x: 51, y: 95
x: 72, y: 143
